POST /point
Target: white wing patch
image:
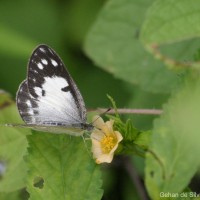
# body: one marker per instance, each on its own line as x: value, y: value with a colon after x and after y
x: 38, y: 91
x: 44, y: 61
x: 40, y: 66
x: 55, y: 103
x: 42, y: 49
x: 54, y: 63
x: 30, y: 112
x: 28, y: 102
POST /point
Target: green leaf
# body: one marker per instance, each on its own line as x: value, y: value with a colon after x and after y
x: 114, y: 45
x: 168, y: 21
x: 11, y: 196
x: 171, y: 161
x: 113, y: 105
x: 143, y: 139
x: 64, y: 168
x: 13, y: 146
x: 5, y: 99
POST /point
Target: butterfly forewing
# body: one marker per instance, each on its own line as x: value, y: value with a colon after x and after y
x: 49, y: 96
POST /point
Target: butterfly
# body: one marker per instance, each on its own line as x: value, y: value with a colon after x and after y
x: 48, y: 99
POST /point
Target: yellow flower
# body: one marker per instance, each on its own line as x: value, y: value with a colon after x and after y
x: 104, y: 140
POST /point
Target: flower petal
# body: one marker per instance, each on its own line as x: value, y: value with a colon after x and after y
x: 109, y: 125
x: 114, y: 148
x: 98, y: 121
x: 104, y: 158
x: 119, y: 136
x: 97, y: 152
x: 104, y: 137
x: 97, y: 135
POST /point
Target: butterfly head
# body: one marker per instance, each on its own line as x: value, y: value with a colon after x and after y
x: 86, y: 126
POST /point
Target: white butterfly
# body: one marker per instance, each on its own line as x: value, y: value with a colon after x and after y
x: 48, y: 99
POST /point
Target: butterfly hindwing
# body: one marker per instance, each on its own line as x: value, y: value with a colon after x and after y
x: 49, y: 96
x: 26, y: 105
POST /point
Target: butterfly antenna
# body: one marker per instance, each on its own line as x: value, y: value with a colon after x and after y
x: 103, y: 113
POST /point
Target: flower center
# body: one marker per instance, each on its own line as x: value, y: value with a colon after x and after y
x: 107, y: 143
